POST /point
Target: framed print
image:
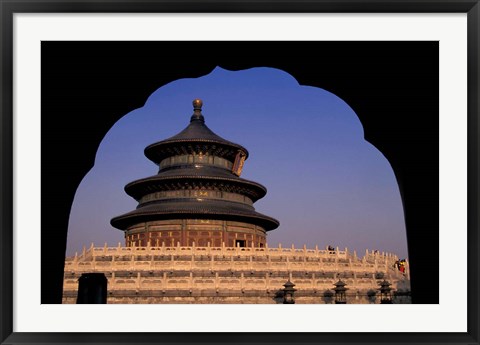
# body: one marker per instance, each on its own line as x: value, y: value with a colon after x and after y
x: 70, y: 71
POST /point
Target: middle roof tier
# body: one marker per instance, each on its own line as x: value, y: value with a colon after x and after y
x: 195, y: 176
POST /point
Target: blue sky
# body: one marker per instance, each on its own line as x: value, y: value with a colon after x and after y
x: 326, y: 184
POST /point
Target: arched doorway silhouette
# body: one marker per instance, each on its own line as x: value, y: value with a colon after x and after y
x: 325, y: 183
x: 392, y: 87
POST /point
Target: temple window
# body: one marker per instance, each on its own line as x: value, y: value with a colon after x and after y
x: 195, y: 158
x: 240, y: 243
x: 203, y: 193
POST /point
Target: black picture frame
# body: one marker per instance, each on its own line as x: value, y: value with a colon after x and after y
x: 9, y: 8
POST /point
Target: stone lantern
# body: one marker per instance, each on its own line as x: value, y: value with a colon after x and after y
x: 288, y: 292
x: 385, y: 292
x: 340, y: 297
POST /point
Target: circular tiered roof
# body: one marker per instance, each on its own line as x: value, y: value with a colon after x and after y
x: 196, y: 140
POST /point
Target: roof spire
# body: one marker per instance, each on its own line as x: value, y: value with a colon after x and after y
x: 197, y: 111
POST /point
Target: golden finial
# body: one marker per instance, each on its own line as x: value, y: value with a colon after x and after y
x: 197, y: 104
x: 197, y: 111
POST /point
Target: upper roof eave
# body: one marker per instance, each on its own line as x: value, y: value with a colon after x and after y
x: 196, y: 132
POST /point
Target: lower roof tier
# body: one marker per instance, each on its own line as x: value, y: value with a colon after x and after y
x: 194, y: 209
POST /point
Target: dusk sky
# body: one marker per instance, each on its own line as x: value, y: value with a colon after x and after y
x: 325, y: 183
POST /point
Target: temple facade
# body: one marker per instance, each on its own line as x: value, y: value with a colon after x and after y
x: 197, y: 197
x: 195, y: 237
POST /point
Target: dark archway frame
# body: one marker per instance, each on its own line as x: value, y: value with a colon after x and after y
x: 391, y: 86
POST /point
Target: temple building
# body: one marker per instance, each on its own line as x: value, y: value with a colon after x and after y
x: 195, y: 237
x: 197, y: 197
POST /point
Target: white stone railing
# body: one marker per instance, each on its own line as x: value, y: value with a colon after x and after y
x: 233, y: 257
x: 279, y: 251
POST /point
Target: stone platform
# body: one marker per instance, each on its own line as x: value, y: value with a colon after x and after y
x: 235, y: 275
